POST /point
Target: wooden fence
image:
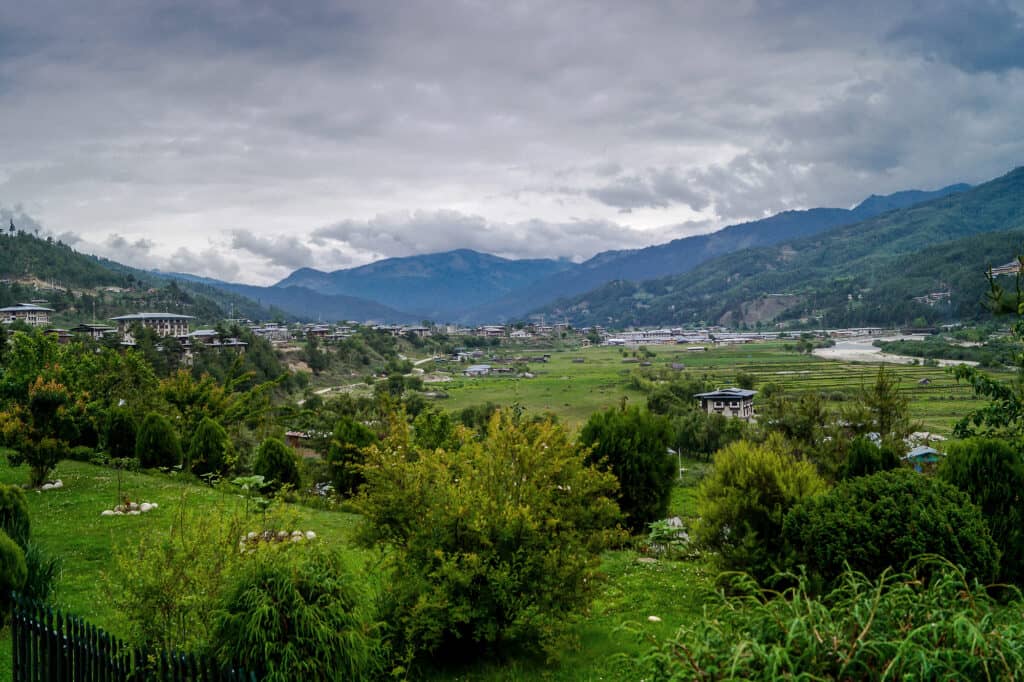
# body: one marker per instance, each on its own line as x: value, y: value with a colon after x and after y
x: 49, y: 646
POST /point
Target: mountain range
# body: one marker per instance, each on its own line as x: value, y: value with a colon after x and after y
x: 471, y: 287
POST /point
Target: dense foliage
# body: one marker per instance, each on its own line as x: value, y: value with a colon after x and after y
x: 743, y: 503
x: 210, y: 451
x: 292, y: 613
x: 991, y: 472
x: 157, y: 443
x: 879, y: 522
x: 895, y: 627
x: 276, y: 463
x: 633, y: 445
x: 345, y: 454
x: 493, y: 545
x: 14, y: 517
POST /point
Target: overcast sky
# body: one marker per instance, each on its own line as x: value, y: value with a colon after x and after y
x: 241, y: 140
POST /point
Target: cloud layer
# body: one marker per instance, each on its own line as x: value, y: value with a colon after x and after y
x: 242, y: 140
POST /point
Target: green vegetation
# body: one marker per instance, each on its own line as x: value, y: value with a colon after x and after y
x: 883, y: 521
x: 157, y: 444
x: 932, y: 625
x: 275, y: 462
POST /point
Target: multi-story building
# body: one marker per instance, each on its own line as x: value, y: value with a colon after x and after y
x: 26, y: 312
x: 164, y: 324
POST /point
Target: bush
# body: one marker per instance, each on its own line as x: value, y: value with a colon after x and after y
x: 42, y: 573
x: 884, y: 520
x: 275, y: 462
x: 345, y: 454
x: 121, y: 433
x: 866, y: 458
x: 14, y: 517
x: 898, y: 627
x: 157, y: 443
x: 743, y: 502
x: 991, y: 473
x: 633, y: 445
x: 82, y: 453
x: 491, y: 546
x: 293, y: 615
x: 13, y: 571
x: 210, y: 451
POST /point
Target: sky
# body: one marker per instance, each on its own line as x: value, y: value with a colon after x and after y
x: 243, y: 140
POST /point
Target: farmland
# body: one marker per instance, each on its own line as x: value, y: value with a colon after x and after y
x: 575, y: 383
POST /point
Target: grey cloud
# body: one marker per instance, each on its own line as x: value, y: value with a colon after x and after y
x: 284, y: 251
x: 209, y: 263
x: 973, y: 35
x: 404, y: 234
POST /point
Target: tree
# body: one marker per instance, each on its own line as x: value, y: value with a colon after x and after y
x: 865, y: 458
x: 633, y: 445
x: 157, y: 443
x: 210, y: 451
x: 121, y: 433
x: 275, y: 462
x: 41, y: 433
x: 493, y: 544
x: 873, y: 523
x: 345, y: 454
x: 991, y: 473
x: 887, y: 407
x: 743, y: 502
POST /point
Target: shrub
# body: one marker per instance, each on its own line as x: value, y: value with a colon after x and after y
x: 633, y: 445
x: 275, y: 462
x: 744, y: 500
x: 345, y: 454
x: 82, y: 453
x: 866, y: 458
x: 898, y: 627
x: 494, y: 545
x: 157, y: 443
x: 882, y: 521
x: 14, y: 517
x: 292, y: 614
x: 991, y: 473
x: 43, y: 571
x: 13, y: 571
x: 121, y: 433
x: 210, y: 451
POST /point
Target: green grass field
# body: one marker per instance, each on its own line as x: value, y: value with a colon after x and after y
x: 574, y: 390
x: 67, y: 523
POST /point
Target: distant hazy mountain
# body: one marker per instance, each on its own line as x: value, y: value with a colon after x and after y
x: 868, y: 272
x: 306, y: 304
x: 437, y: 286
x: 682, y: 255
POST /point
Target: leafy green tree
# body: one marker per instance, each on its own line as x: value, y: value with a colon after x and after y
x: 887, y: 407
x: 157, y: 443
x: 13, y: 571
x: 633, y: 445
x: 434, y: 429
x: 878, y: 522
x: 211, y: 450
x: 866, y: 458
x: 41, y: 433
x: 743, y: 502
x: 492, y: 546
x: 276, y: 463
x: 121, y: 433
x: 14, y: 516
x: 991, y: 472
x: 345, y: 454
x: 294, y: 615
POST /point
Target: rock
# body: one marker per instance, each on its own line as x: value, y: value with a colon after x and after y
x: 298, y: 538
x: 251, y: 535
x: 118, y: 513
x: 133, y: 506
x: 297, y: 533
x: 134, y: 512
x: 58, y: 483
x: 310, y: 535
x: 107, y: 512
x: 282, y: 535
x: 155, y: 505
x: 653, y: 619
x: 647, y: 560
x: 145, y: 507
x: 47, y: 486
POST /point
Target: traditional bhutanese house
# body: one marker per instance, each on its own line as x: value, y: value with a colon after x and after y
x: 94, y: 331
x: 922, y: 457
x: 728, y: 402
x: 164, y: 324
x: 28, y: 313
x: 63, y: 336
x: 477, y: 370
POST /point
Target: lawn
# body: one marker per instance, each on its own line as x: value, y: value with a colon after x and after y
x: 67, y: 523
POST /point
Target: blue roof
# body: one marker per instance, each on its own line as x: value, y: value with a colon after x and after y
x: 923, y: 452
x: 727, y: 394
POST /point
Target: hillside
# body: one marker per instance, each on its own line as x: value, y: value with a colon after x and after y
x: 81, y: 287
x: 865, y: 273
x: 441, y: 286
x: 682, y: 255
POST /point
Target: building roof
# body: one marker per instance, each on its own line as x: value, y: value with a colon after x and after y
x: 727, y: 393
x: 151, y: 316
x: 922, y: 451
x: 25, y: 307
x: 478, y: 368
